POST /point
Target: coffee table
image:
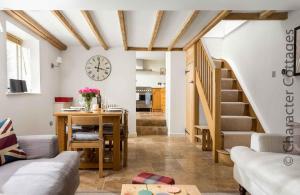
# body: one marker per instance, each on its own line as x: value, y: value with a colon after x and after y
x: 133, y: 189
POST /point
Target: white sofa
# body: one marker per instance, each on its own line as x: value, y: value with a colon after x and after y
x: 265, y: 169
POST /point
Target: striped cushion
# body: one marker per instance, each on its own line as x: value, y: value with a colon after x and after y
x: 151, y: 178
x: 9, y: 147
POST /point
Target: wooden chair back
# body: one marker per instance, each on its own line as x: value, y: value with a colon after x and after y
x: 85, y: 120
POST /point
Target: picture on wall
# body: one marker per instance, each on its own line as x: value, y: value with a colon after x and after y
x: 297, y: 51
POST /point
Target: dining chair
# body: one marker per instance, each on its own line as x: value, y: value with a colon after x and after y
x: 108, y: 136
x: 86, y: 139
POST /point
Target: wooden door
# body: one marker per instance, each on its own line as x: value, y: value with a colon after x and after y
x: 156, y: 100
x: 163, y: 99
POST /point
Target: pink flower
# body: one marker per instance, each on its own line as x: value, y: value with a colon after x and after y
x: 92, y: 91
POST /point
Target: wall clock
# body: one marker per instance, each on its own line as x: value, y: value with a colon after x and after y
x: 98, y: 68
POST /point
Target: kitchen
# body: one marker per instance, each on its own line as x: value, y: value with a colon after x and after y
x: 150, y: 96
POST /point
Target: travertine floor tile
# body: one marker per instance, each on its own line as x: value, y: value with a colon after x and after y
x: 170, y: 156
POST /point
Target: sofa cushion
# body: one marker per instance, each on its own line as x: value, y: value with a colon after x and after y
x: 269, y: 172
x: 63, y: 168
x: 9, y: 147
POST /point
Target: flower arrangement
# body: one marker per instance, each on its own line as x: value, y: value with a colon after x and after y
x: 88, y: 94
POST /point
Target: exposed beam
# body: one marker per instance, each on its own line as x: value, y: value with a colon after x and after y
x: 184, y: 28
x: 123, y: 28
x: 153, y: 49
x: 91, y: 23
x: 158, y: 19
x: 265, y: 14
x: 35, y: 27
x: 14, y: 38
x: 70, y: 28
x: 208, y: 27
x: 256, y: 16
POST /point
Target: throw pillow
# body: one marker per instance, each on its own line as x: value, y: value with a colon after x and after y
x: 9, y: 147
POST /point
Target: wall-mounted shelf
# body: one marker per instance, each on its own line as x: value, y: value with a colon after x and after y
x: 23, y: 93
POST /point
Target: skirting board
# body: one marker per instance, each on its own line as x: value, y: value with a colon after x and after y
x: 176, y: 134
x: 132, y: 134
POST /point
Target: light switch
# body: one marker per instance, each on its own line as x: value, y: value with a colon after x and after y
x: 273, y: 74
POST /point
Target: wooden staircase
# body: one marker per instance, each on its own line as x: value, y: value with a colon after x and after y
x: 229, y: 115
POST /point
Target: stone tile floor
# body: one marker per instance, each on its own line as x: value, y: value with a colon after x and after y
x: 170, y: 156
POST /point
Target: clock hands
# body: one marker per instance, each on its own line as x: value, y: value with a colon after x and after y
x: 98, y: 66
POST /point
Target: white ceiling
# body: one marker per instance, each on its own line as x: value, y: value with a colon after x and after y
x: 139, y: 26
x: 224, y: 28
x: 151, y: 5
x: 150, y: 55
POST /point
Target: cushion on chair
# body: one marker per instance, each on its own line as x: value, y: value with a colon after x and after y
x: 108, y: 129
x: 86, y: 136
x: 9, y: 147
x: 151, y: 178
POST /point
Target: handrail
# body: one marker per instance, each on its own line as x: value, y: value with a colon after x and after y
x: 208, y: 82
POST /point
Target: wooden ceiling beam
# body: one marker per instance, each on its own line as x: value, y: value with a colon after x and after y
x: 88, y: 17
x: 153, y: 49
x: 159, y: 16
x: 184, y: 28
x: 123, y: 28
x: 220, y: 16
x: 265, y: 14
x: 35, y: 27
x: 257, y: 16
x: 70, y: 28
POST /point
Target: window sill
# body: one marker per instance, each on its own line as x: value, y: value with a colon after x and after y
x: 23, y: 93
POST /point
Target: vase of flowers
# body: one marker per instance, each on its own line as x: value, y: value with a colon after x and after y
x: 88, y: 94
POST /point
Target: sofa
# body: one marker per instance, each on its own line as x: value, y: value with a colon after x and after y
x: 44, y: 172
x: 265, y: 168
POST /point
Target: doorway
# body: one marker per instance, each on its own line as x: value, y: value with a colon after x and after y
x: 151, y: 95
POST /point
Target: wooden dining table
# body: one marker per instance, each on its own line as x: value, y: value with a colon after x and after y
x: 61, y: 119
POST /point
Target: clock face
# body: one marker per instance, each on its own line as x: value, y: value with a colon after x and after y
x: 98, y: 68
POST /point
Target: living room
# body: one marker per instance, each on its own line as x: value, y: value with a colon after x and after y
x: 69, y: 78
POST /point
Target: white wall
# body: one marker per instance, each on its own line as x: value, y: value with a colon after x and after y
x: 31, y: 114
x: 119, y: 87
x: 214, y: 46
x: 151, y: 78
x: 254, y: 51
x: 175, y: 92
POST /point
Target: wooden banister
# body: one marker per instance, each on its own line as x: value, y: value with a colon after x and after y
x: 208, y: 83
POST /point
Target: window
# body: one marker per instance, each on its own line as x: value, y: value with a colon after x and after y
x: 18, y: 60
x: 23, y: 60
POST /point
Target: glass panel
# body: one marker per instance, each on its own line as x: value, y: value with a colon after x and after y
x: 12, y: 60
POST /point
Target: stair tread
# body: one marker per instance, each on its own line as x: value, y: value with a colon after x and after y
x: 237, y: 132
x: 233, y: 116
x: 201, y: 126
x: 228, y: 79
x: 234, y: 103
x: 231, y: 90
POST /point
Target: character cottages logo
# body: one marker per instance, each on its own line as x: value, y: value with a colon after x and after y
x: 291, y: 69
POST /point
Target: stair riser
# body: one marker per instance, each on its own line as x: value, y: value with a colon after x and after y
x: 225, y: 73
x: 231, y: 96
x: 228, y: 84
x: 141, y: 122
x: 147, y: 130
x: 236, y: 124
x: 234, y: 109
x: 230, y: 141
